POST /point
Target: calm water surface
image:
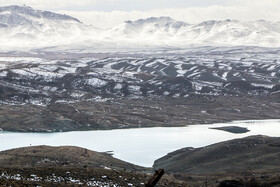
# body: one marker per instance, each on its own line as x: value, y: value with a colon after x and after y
x: 140, y: 146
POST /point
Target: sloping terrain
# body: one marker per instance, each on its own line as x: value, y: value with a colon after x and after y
x: 250, y: 154
x: 43, y: 81
x: 203, y: 86
x: 74, y: 166
x: 70, y: 166
x: 136, y: 113
x: 65, y: 156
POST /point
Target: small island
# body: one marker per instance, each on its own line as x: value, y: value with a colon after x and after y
x: 232, y: 129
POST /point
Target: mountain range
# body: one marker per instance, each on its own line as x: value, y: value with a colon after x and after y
x: 23, y: 28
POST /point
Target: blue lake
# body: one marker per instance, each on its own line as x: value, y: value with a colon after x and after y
x: 140, y: 146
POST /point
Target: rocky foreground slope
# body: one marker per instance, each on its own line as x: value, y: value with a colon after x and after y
x: 64, y: 156
x: 250, y: 161
x: 70, y: 166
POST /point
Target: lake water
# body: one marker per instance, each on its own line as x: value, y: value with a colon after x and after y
x: 140, y: 146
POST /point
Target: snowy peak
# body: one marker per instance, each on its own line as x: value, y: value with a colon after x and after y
x: 23, y: 28
x: 153, y: 20
x: 168, y: 32
x: 19, y: 15
x: 213, y: 22
x: 150, y: 25
x: 256, y: 33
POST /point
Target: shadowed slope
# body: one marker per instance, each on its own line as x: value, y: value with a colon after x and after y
x: 239, y: 155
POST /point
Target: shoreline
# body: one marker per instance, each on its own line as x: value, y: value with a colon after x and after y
x: 160, y: 140
x: 229, y: 123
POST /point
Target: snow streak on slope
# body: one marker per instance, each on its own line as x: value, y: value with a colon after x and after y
x: 23, y: 28
x: 41, y: 81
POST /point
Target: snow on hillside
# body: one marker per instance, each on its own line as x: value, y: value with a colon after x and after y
x: 23, y: 28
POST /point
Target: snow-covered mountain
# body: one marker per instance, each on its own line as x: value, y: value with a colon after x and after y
x: 228, y: 32
x: 23, y: 28
x: 19, y: 15
x: 233, y: 32
x: 150, y: 25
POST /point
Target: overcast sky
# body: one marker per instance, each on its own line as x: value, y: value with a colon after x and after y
x: 108, y: 13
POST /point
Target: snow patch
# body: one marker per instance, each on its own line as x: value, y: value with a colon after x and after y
x: 95, y: 82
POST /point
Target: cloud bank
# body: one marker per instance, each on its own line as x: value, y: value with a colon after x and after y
x: 190, y: 15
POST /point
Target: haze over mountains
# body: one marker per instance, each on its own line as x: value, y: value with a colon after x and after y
x: 58, y: 74
x: 22, y: 29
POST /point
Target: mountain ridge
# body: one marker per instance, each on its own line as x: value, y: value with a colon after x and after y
x: 27, y: 10
x: 37, y: 29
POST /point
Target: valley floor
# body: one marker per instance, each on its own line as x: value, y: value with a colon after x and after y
x: 135, y: 113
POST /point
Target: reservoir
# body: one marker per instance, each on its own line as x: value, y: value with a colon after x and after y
x: 144, y: 145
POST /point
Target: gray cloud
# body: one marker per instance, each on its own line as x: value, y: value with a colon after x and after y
x: 245, y: 12
x: 111, y: 5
